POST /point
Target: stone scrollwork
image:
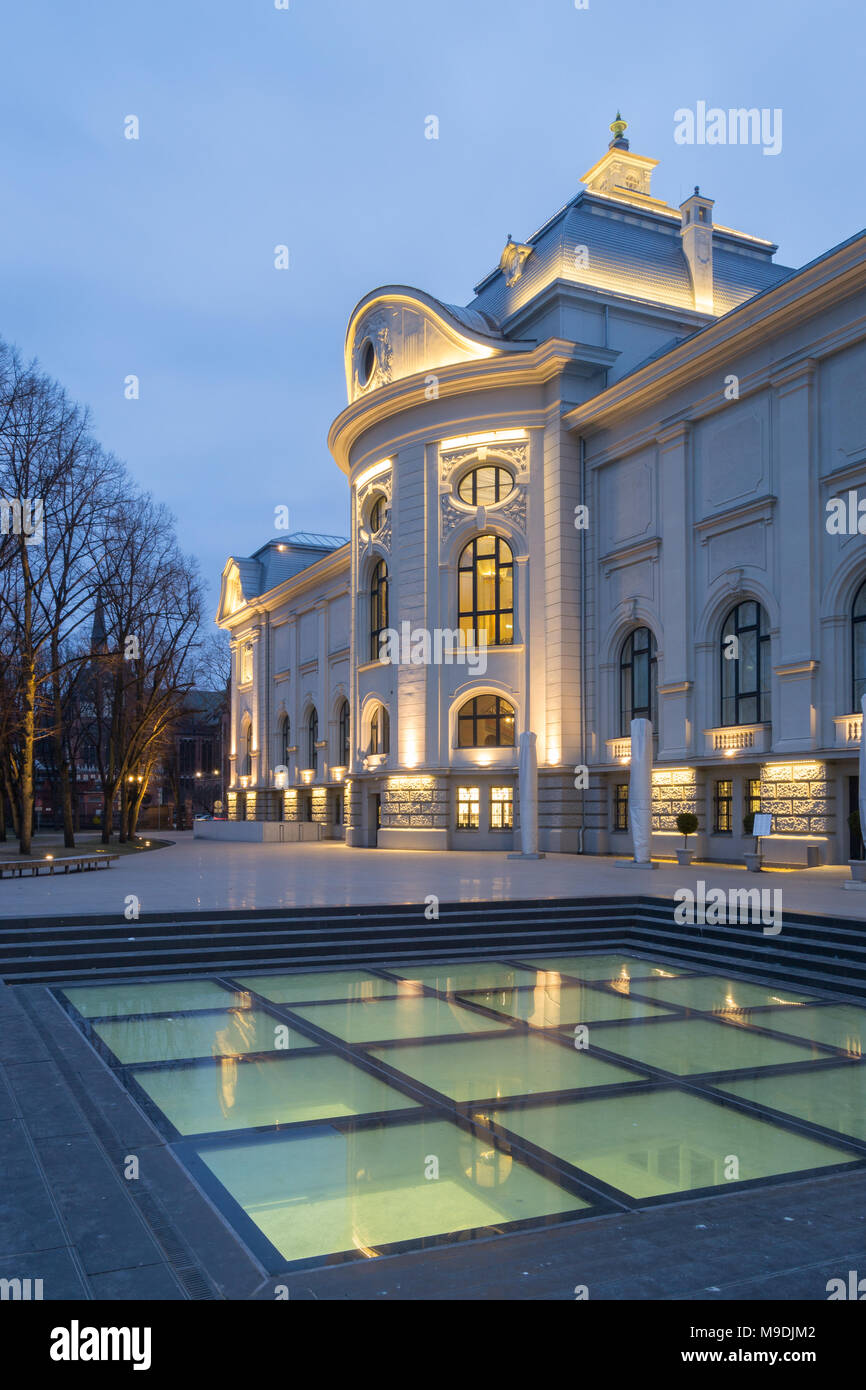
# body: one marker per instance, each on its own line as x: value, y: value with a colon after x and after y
x: 375, y: 330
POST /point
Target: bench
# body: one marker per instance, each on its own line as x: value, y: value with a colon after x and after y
x: 15, y: 868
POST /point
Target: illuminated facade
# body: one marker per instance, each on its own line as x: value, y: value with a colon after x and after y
x: 616, y: 464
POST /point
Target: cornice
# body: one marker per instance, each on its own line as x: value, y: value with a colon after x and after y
x: 534, y: 367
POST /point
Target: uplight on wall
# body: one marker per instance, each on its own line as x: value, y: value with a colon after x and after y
x: 374, y: 471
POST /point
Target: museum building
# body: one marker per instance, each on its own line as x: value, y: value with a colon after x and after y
x: 622, y: 482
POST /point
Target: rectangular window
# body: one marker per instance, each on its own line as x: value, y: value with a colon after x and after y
x: 753, y: 795
x: 620, y: 806
x: 468, y: 808
x: 722, y: 822
x: 501, y: 808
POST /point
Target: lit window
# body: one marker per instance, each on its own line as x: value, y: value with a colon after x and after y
x: 620, y: 806
x: 485, y: 595
x: 485, y: 486
x: 246, y: 663
x: 501, y: 808
x: 468, y: 808
x: 723, y: 821
x: 378, y: 608
x: 753, y: 795
x: 486, y: 721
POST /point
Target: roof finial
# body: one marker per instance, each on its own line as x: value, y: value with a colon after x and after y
x: 618, y: 129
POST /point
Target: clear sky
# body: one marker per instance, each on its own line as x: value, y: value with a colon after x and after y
x: 305, y: 127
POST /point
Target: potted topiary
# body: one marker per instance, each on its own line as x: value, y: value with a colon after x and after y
x: 687, y: 824
x: 752, y: 857
x: 858, y: 866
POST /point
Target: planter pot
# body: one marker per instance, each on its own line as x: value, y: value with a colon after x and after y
x: 753, y: 863
x: 685, y: 856
x: 858, y: 870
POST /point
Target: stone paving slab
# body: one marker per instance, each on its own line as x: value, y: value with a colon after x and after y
x: 204, y: 875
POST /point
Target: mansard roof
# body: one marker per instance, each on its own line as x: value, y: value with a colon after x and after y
x: 284, y: 557
x: 628, y: 250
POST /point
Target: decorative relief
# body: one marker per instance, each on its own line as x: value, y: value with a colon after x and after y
x: 376, y: 330
x: 515, y: 454
x: 512, y: 510
x: 513, y: 258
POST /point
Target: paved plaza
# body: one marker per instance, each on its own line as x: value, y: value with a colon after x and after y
x: 192, y: 875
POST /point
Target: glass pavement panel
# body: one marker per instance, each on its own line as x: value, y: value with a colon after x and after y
x: 111, y: 1001
x: 837, y: 1025
x: 471, y: 975
x: 222, y: 1034
x: 834, y: 1097
x: 552, y: 1005
x: 416, y: 1016
x: 515, y: 1064
x: 610, y: 967
x: 326, y: 1192
x: 324, y: 984
x: 715, y: 994
x: 689, y: 1046
x: 234, y: 1094
x: 661, y: 1142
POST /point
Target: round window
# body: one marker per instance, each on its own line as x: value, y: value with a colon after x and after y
x: 485, y: 486
x: 367, y: 361
x: 377, y: 514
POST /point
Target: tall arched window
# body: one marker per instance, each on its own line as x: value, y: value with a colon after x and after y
x: 378, y: 607
x: 343, y: 743
x: 380, y: 731
x: 744, y: 654
x: 485, y: 597
x: 284, y: 741
x: 312, y: 740
x: 485, y: 721
x: 247, y: 749
x: 637, y: 679
x: 858, y: 647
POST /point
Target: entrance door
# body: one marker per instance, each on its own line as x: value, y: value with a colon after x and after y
x: 856, y: 842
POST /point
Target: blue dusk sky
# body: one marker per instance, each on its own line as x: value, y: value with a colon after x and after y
x: 306, y: 127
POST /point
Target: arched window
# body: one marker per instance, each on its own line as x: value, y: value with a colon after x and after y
x: 485, y: 600
x: 284, y: 741
x: 637, y: 679
x: 246, y: 663
x: 343, y: 744
x: 744, y: 654
x: 485, y: 721
x: 312, y: 740
x: 380, y: 731
x: 486, y: 485
x: 378, y: 607
x: 247, y: 750
x: 858, y: 646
